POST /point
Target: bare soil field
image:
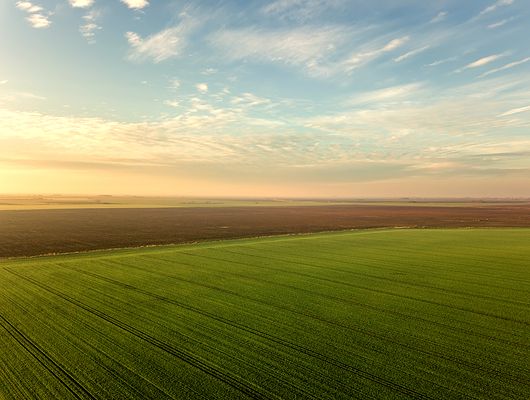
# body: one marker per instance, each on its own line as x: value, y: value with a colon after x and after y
x: 35, y: 232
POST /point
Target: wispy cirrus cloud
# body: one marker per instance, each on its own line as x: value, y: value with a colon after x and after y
x: 515, y: 111
x: 442, y: 61
x: 442, y: 15
x: 162, y: 45
x: 174, y: 84
x: 500, y: 23
x: 411, y: 53
x: 90, y: 27
x: 172, y: 103
x: 297, y: 46
x: 505, y: 67
x: 482, y: 62
x: 300, y: 10
x: 495, y: 6
x: 388, y: 94
x: 360, y: 58
x: 250, y: 100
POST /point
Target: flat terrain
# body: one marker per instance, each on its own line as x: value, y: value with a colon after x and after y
x: 385, y: 314
x: 37, y: 202
x: 33, y: 232
x: 54, y: 202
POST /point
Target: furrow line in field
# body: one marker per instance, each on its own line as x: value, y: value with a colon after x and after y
x: 269, y: 305
x: 400, y: 388
x: 239, y: 360
x: 378, y: 262
x: 382, y: 278
x: 478, y: 253
x: 484, y: 269
x: 63, y: 376
x: 385, y: 338
x: 97, y: 360
x: 415, y: 251
x: 182, y: 355
x: 323, y: 295
x: 484, y: 313
x: 245, y: 328
x: 258, y: 333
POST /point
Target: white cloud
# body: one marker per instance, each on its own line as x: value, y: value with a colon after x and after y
x: 298, y: 46
x: 37, y: 17
x: 395, y: 43
x: 136, y: 4
x: 361, y: 58
x: 174, y: 84
x: 160, y: 46
x: 209, y: 71
x: 388, y: 94
x: 39, y: 21
x: 505, y: 67
x: 89, y: 28
x: 442, y: 61
x: 29, y: 95
x: 500, y: 23
x: 440, y: 17
x: 3, y: 82
x: 320, y: 51
x: 483, y: 61
x: 81, y: 3
x: 28, y: 6
x: 515, y: 111
x: 411, y: 53
x: 300, y: 10
x: 250, y: 100
x: 202, y: 87
x: 494, y: 6
x: 88, y: 31
x: 172, y: 103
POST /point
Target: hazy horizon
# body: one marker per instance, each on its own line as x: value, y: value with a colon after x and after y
x: 254, y: 99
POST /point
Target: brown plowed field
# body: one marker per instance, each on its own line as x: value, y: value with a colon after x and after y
x: 33, y: 232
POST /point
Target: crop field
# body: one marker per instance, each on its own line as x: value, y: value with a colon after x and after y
x: 382, y: 314
x: 36, y: 232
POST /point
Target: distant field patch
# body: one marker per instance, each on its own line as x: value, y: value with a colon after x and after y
x: 426, y: 314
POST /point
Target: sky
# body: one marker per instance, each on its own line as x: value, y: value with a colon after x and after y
x: 269, y: 98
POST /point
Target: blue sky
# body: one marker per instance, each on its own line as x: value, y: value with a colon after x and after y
x: 270, y: 98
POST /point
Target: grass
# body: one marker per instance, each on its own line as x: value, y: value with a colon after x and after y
x: 366, y: 314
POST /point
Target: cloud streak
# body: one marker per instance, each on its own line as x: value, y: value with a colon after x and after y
x: 481, y: 62
x: 299, y: 46
x: 441, y: 16
x: 495, y: 6
x: 515, y: 111
x: 158, y: 47
x: 505, y: 67
x: 411, y: 53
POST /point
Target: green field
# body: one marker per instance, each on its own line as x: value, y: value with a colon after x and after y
x: 364, y: 314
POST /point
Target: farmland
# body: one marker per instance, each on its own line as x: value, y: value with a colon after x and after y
x: 395, y: 313
x: 27, y: 232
